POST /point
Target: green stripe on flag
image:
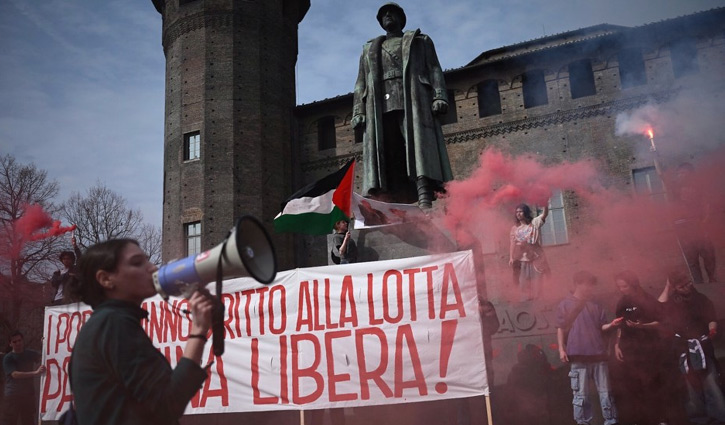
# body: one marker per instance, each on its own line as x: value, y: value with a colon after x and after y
x: 309, y: 223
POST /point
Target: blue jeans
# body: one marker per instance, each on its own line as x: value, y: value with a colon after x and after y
x: 580, y: 375
x: 705, y: 400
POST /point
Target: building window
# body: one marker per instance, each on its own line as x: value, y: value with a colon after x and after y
x: 452, y: 115
x: 489, y: 100
x: 183, y: 2
x: 193, y: 237
x: 192, y: 145
x: 683, y: 55
x: 581, y: 79
x: 534, y: 89
x: 326, y: 138
x: 554, y: 231
x: 631, y: 68
x: 648, y: 183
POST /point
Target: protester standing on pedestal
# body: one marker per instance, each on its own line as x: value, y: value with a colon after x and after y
x: 526, y: 256
x: 344, y: 250
x: 60, y: 278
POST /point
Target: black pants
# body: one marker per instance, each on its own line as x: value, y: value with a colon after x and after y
x: 693, y: 249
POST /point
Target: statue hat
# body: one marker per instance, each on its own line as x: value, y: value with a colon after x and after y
x: 391, y: 5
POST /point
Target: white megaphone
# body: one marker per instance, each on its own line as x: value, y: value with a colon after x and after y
x: 247, y: 251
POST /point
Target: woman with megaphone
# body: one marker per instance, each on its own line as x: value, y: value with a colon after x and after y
x: 116, y: 374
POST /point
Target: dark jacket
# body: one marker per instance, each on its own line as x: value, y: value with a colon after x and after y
x: 119, y: 377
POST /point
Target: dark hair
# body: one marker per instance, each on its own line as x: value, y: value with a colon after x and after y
x: 583, y: 276
x: 527, y: 213
x: 676, y: 276
x: 67, y: 253
x: 101, y: 256
x: 335, y: 227
x: 628, y: 276
x: 14, y: 334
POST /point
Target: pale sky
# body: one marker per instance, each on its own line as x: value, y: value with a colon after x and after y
x: 82, y: 81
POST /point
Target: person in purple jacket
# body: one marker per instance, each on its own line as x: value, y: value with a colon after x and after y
x: 580, y: 323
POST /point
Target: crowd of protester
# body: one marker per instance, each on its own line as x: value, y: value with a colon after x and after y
x: 662, y: 367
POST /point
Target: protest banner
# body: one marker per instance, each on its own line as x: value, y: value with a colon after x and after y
x: 363, y: 334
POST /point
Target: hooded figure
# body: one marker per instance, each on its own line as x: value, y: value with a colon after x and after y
x: 399, y: 90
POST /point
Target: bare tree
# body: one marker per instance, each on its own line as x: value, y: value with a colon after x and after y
x: 23, y: 262
x: 100, y: 215
x: 150, y: 240
x: 23, y: 185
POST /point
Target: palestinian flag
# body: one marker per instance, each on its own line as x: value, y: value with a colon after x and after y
x: 315, y: 208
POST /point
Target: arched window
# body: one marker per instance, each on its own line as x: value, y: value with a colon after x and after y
x: 581, y: 79
x: 534, y: 86
x: 326, y: 138
x: 489, y: 99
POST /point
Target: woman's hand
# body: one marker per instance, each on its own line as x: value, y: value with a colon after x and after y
x: 201, y: 305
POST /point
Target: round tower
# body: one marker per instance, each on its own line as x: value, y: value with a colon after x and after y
x: 228, y: 125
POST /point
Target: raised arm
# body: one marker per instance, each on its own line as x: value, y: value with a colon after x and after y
x: 665, y: 295
x: 545, y: 213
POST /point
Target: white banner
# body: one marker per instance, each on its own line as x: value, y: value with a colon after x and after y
x: 361, y: 334
x: 370, y: 213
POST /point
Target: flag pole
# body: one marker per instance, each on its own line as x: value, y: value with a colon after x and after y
x: 488, y: 410
x: 667, y: 188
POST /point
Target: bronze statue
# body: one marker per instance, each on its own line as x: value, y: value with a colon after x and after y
x: 399, y: 90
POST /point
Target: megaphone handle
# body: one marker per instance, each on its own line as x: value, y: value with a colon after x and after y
x: 217, y: 319
x: 217, y: 328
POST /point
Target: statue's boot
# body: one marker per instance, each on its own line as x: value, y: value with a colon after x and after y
x: 425, y: 193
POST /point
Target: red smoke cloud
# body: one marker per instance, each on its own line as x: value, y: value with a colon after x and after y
x: 35, y: 224
x: 610, y: 228
x: 501, y: 180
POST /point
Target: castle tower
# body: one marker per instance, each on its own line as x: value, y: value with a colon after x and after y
x: 228, y: 126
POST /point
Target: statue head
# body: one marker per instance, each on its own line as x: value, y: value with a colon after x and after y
x: 393, y: 7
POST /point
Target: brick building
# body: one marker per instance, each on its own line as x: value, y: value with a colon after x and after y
x: 230, y: 94
x: 556, y: 96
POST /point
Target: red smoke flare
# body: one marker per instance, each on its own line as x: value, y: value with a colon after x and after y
x: 31, y: 227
